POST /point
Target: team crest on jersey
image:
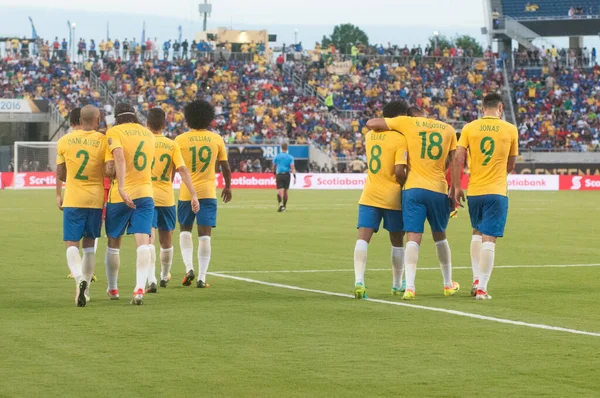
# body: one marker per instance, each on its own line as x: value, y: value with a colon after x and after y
x: 110, y: 142
x: 405, y: 155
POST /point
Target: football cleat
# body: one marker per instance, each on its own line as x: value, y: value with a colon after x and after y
x: 81, y: 299
x: 280, y: 208
x: 70, y: 276
x: 94, y: 278
x: 284, y: 209
x: 481, y: 295
x: 202, y: 285
x: 474, y: 288
x: 409, y: 295
x: 163, y: 283
x: 138, y: 297
x: 396, y: 291
x: 360, y: 292
x: 152, y: 288
x: 113, y: 294
x: 451, y: 291
x: 454, y: 214
x: 169, y: 279
x: 189, y: 278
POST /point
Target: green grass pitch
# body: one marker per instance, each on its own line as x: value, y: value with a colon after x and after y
x: 245, y: 339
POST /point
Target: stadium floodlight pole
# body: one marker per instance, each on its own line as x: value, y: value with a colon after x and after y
x: 435, y: 38
x: 295, y: 36
x: 73, y: 26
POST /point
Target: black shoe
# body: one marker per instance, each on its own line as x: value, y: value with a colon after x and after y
x: 280, y: 209
x: 81, y: 300
x: 202, y: 285
x: 189, y: 278
x: 163, y: 284
x: 152, y: 288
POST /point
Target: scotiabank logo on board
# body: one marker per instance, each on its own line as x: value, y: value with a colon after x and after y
x: 331, y: 181
x: 580, y: 183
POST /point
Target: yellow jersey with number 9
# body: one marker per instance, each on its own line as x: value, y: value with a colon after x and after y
x: 137, y: 143
x: 83, y: 154
x: 429, y: 143
x: 201, y: 149
x: 490, y: 141
x: 167, y: 158
x: 385, y: 150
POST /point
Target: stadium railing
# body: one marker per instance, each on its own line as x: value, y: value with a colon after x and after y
x: 557, y: 18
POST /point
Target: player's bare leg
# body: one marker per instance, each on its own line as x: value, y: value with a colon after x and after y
x: 166, y: 256
x: 74, y: 263
x: 152, y: 282
x: 112, y: 261
x: 486, y: 265
x: 142, y: 264
x: 204, y: 252
x: 445, y: 258
x: 411, y: 258
x: 88, y: 263
x: 360, y: 261
x: 476, y: 242
x: 280, y: 199
x: 397, y: 240
x: 186, y: 244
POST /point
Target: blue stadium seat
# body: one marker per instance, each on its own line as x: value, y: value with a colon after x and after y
x: 548, y: 8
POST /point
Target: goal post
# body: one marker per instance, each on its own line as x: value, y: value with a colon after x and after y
x: 33, y: 156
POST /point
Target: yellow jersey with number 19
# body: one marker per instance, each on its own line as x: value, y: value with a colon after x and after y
x: 429, y: 143
x: 83, y: 154
x: 385, y: 150
x: 167, y: 159
x: 137, y: 143
x: 490, y: 141
x: 201, y: 149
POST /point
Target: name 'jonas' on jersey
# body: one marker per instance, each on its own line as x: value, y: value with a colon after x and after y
x: 83, y: 141
x: 487, y: 127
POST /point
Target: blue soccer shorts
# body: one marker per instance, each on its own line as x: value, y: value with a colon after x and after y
x: 370, y: 217
x: 206, y: 217
x: 120, y: 217
x: 488, y: 214
x: 165, y: 218
x: 419, y: 205
x: 81, y: 223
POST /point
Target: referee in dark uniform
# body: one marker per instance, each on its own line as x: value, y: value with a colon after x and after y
x: 283, y: 165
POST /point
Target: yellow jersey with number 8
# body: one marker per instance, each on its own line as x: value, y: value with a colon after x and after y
x: 167, y: 158
x: 137, y: 143
x: 490, y: 141
x: 83, y: 153
x: 201, y: 149
x: 385, y: 150
x: 429, y: 143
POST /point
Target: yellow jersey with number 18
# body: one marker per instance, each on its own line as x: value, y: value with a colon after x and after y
x: 385, y: 150
x: 167, y: 159
x: 429, y: 143
x: 490, y: 141
x: 137, y: 143
x: 83, y: 154
x: 201, y: 149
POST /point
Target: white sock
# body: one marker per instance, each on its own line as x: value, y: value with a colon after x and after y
x: 445, y: 258
x: 112, y: 261
x: 486, y: 264
x: 360, y: 260
x: 166, y: 260
x: 152, y: 267
x: 397, y: 266
x: 411, y: 258
x: 142, y: 263
x: 96, y: 245
x: 187, y: 250
x: 204, y: 252
x: 74, y: 263
x: 88, y: 263
x: 475, y: 253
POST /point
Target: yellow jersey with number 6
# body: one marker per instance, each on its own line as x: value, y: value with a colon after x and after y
x: 201, y: 149
x: 385, y: 150
x: 137, y: 143
x: 83, y: 154
x: 429, y: 143
x: 167, y: 159
x: 490, y: 141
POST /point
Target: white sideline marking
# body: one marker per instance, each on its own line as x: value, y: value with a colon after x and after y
x: 310, y: 271
x: 416, y: 306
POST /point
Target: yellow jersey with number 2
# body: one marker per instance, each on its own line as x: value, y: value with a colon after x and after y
x: 83, y: 153
x: 167, y: 158
x: 429, y: 143
x: 137, y: 143
x: 490, y: 141
x: 385, y: 150
x: 201, y: 149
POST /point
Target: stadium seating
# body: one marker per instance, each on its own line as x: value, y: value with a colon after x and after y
x: 548, y: 8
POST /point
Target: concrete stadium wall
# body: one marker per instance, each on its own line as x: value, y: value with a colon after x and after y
x: 560, y: 157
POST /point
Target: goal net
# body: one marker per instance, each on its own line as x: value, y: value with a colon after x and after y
x: 31, y: 157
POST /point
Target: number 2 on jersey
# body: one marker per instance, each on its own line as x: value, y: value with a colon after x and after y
x: 86, y: 159
x: 374, y: 158
x: 435, y: 141
x: 487, y: 151
x: 164, y: 176
x: 204, y: 155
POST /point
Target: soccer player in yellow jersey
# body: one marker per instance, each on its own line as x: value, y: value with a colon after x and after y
x: 381, y: 199
x: 493, y: 146
x: 130, y: 205
x: 80, y: 163
x: 201, y: 150
x: 425, y: 197
x: 167, y: 160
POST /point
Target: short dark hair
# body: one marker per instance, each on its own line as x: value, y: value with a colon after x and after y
x: 415, y: 111
x: 199, y: 114
x: 124, y: 113
x: 74, y: 117
x: 492, y: 101
x: 395, y: 108
x: 156, y: 119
